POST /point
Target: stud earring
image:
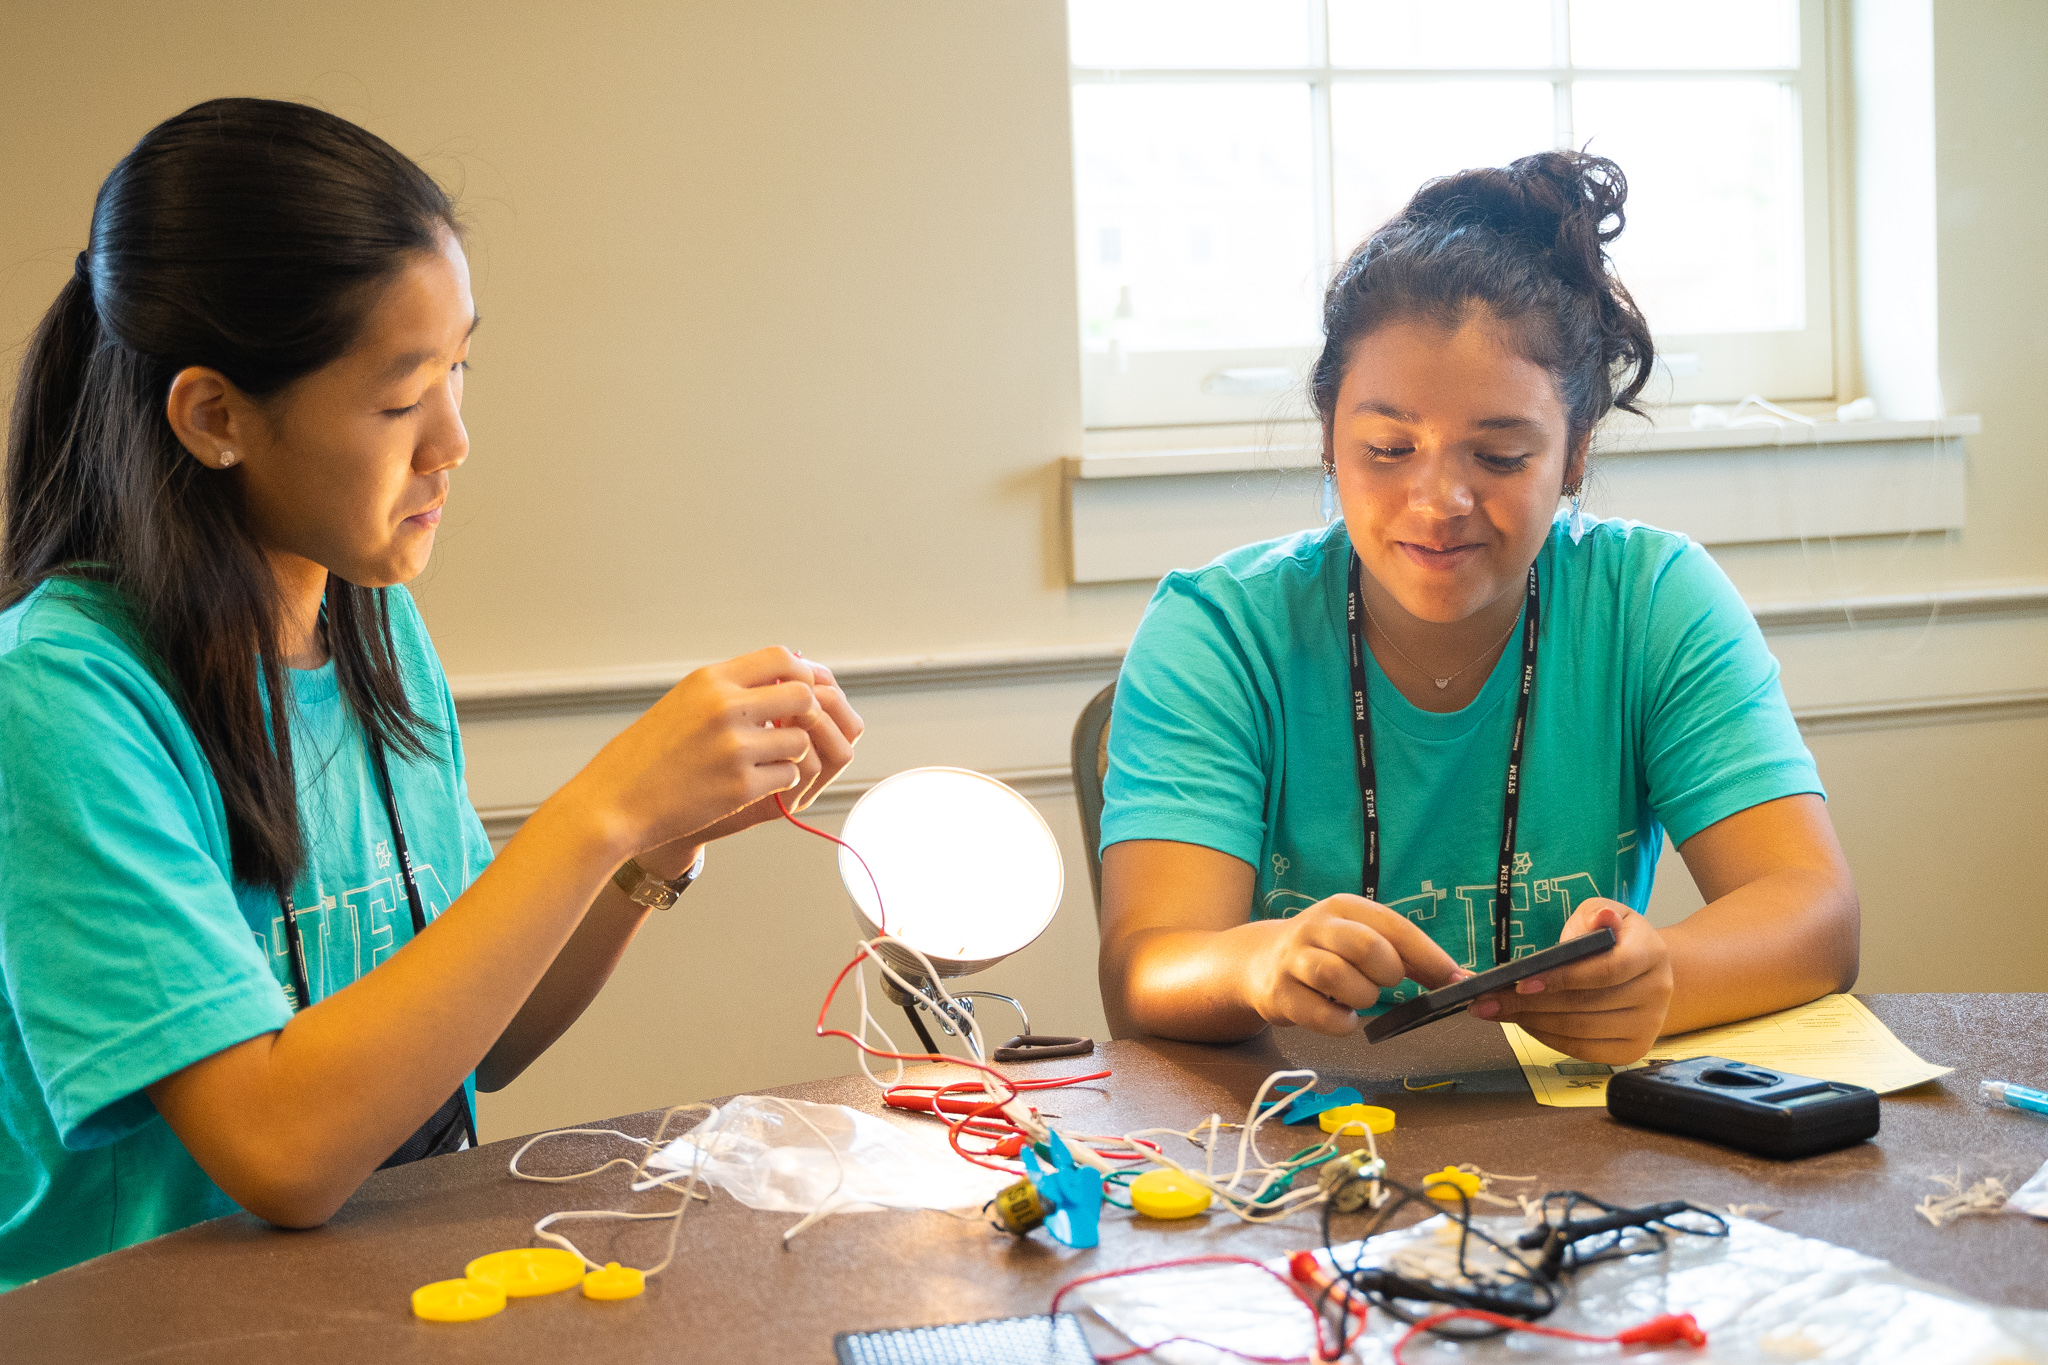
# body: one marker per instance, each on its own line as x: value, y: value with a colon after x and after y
x: 227, y: 457
x: 1329, y: 494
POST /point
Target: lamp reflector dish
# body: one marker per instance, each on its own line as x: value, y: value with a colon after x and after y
x: 969, y: 870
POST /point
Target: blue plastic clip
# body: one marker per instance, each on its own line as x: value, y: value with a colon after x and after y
x: 1072, y: 1193
x: 1303, y: 1104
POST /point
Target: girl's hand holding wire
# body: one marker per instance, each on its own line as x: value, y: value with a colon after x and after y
x: 1320, y: 967
x: 833, y: 727
x: 1606, y: 1008
x: 723, y: 742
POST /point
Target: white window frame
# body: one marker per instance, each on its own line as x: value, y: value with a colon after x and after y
x: 1262, y: 384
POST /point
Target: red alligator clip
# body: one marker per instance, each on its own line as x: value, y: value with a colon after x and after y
x: 1306, y: 1269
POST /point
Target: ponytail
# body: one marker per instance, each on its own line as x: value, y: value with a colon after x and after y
x: 1526, y: 242
x: 248, y: 236
x: 46, y: 403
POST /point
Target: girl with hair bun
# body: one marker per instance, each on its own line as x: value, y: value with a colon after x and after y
x: 253, y: 943
x: 1330, y: 753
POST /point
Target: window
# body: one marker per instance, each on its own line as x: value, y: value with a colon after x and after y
x: 1228, y: 153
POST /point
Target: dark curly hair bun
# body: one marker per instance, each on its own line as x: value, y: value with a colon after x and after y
x: 1527, y: 242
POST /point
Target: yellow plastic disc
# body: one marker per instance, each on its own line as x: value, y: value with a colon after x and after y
x: 1446, y: 1183
x: 526, y: 1271
x: 1168, y: 1194
x: 1356, y: 1119
x: 457, y: 1300
x: 615, y: 1281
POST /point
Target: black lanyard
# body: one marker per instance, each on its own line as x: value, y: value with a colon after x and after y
x: 439, y: 1133
x: 1511, y: 800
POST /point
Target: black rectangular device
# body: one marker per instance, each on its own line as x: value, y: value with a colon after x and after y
x: 1448, y: 1000
x: 1750, y: 1108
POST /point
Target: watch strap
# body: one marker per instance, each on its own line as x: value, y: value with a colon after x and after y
x: 644, y: 888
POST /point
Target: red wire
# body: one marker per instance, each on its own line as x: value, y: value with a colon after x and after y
x: 956, y: 1127
x: 1666, y: 1330
x: 1289, y: 1285
x: 881, y: 915
x: 907, y: 1096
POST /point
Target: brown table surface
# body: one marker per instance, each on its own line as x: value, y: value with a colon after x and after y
x: 235, y: 1289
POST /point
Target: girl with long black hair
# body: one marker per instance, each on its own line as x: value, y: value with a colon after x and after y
x: 1454, y: 726
x: 253, y: 943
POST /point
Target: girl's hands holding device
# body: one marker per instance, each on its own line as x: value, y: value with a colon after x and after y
x: 1606, y: 1008
x: 1318, y: 968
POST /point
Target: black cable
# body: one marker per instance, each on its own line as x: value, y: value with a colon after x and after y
x: 1569, y: 1242
x: 1509, y: 1292
x: 924, y: 1034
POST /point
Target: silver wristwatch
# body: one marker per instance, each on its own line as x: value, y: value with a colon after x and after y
x: 644, y: 888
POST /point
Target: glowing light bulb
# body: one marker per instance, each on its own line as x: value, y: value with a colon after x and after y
x: 969, y: 870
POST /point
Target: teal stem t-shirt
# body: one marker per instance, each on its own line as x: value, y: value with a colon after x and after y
x: 128, y: 950
x: 1656, y: 708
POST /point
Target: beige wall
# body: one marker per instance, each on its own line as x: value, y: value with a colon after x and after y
x: 780, y: 346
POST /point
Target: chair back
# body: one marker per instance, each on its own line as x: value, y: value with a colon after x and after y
x: 1091, y: 766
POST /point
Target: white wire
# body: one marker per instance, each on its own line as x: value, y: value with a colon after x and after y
x: 715, y: 1119
x: 639, y: 1168
x: 1248, y: 1204
x: 714, y: 1126
x: 1015, y: 1109
x: 969, y: 1025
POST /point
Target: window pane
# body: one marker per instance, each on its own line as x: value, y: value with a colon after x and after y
x: 1188, y: 33
x: 1387, y: 137
x: 1196, y: 215
x: 1685, y: 34
x: 1713, y: 242
x: 1454, y: 34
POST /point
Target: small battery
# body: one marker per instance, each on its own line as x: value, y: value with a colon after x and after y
x: 1019, y: 1209
x: 1750, y: 1108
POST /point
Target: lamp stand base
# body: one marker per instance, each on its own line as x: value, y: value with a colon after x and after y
x: 956, y: 1014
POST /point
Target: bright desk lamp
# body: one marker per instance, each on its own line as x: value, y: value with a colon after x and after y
x: 970, y: 873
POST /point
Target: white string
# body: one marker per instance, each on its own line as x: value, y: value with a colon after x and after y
x: 713, y: 1125
x: 1015, y: 1109
x: 1986, y: 1196
x: 639, y: 1169
x: 1252, y: 1163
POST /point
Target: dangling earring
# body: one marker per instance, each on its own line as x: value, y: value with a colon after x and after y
x: 1329, y: 494
x: 227, y: 457
x: 1579, y: 521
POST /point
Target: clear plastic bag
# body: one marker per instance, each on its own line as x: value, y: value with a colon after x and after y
x: 793, y: 1156
x: 2032, y: 1197
x: 1761, y: 1294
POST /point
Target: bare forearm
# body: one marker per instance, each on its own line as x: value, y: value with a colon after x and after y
x: 301, y: 1116
x: 1182, y: 983
x: 571, y: 982
x: 1779, y: 941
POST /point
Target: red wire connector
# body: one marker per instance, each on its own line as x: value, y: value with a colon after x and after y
x: 1663, y: 1331
x: 1306, y: 1269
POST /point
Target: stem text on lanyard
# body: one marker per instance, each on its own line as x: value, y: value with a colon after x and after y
x: 1511, y: 799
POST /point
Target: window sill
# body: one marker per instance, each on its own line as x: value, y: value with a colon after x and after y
x: 1235, y: 450
x: 1135, y: 511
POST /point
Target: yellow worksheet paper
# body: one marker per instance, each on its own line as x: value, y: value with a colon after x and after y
x: 1833, y: 1039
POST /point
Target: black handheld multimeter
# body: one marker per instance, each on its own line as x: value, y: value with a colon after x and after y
x: 1752, y: 1108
